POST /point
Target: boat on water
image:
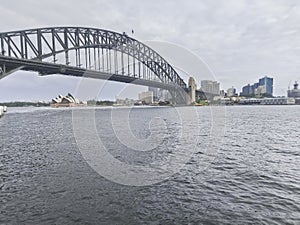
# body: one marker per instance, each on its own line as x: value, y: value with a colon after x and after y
x: 198, y: 104
x: 4, y: 108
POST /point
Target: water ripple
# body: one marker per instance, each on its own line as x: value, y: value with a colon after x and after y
x: 253, y: 179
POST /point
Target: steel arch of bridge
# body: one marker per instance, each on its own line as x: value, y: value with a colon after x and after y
x: 75, y: 50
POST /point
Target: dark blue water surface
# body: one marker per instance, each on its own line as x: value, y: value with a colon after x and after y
x: 253, y: 178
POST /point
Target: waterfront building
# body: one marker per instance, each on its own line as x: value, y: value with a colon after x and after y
x: 160, y: 94
x: 146, y: 97
x: 58, y: 99
x: 231, y: 92
x: 263, y: 88
x: 250, y: 101
x: 260, y: 90
x: 254, y: 86
x: 278, y: 101
x: 226, y: 101
x: 246, y: 90
x: 222, y: 93
x: 266, y: 85
x: 164, y: 95
x: 210, y: 87
x: 65, y: 101
x: 254, y: 89
x: 268, y: 101
x: 294, y: 93
x: 156, y: 93
x: 125, y: 102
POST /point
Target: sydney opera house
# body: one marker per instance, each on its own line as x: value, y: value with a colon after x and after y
x: 67, y: 101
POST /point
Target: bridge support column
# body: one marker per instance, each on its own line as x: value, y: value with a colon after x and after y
x: 192, y: 91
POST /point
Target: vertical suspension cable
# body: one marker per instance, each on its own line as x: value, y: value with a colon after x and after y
x: 148, y: 73
x: 95, y: 61
x: 122, y: 60
x: 128, y: 61
x: 89, y: 52
x: 110, y: 60
x: 116, y: 61
x: 139, y: 65
x: 107, y: 60
x: 79, y: 57
x: 86, y: 58
x: 76, y: 57
x: 99, y: 60
x: 103, y: 64
x: 133, y: 53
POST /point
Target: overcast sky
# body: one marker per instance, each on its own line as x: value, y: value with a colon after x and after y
x: 239, y: 40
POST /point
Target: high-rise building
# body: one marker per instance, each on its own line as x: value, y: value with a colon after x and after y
x: 222, y: 93
x: 266, y: 84
x: 146, y: 97
x: 155, y: 93
x: 231, y: 92
x: 246, y: 91
x: 263, y: 87
x: 210, y: 87
x: 160, y: 94
x: 254, y: 87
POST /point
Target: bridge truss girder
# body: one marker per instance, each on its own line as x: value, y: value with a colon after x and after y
x: 89, y: 49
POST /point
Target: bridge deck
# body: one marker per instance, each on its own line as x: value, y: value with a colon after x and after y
x: 45, y: 68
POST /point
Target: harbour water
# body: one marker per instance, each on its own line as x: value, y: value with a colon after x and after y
x: 253, y: 178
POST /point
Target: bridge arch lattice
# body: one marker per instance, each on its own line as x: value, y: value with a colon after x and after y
x: 73, y: 50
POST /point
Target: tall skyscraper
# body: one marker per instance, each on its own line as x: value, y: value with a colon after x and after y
x: 266, y: 83
x: 246, y: 91
x: 210, y: 87
x: 155, y: 93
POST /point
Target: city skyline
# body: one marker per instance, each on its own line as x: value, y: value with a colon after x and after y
x: 207, y: 86
x: 239, y: 40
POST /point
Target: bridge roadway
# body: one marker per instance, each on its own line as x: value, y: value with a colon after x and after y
x: 10, y: 64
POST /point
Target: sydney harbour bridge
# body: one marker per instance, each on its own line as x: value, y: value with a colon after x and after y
x: 89, y: 52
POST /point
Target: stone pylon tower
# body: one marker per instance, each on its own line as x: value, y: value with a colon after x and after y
x: 192, y: 90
